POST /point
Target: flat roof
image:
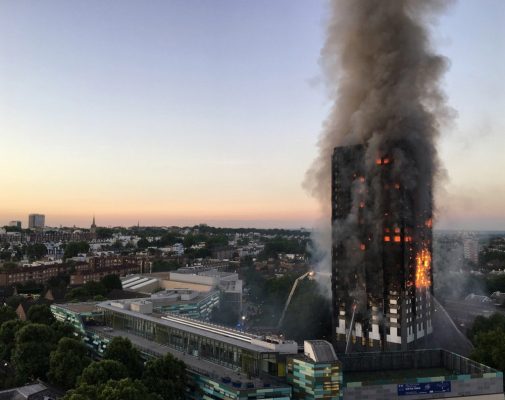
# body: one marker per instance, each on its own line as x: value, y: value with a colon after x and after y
x: 396, y: 375
x: 196, y: 327
x: 201, y: 296
x: 86, y: 307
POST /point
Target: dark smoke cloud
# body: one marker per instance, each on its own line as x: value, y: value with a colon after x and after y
x: 384, y: 79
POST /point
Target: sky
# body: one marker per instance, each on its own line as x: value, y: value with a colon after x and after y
x: 179, y: 112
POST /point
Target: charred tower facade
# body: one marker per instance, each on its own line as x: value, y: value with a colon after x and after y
x: 382, y: 281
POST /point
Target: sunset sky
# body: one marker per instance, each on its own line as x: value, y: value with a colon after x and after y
x: 186, y: 111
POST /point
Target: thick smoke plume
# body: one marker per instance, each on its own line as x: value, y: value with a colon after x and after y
x: 384, y: 81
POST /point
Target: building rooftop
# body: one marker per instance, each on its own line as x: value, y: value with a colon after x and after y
x: 319, y: 351
x: 181, y: 296
x: 197, y: 364
x: 231, y: 336
x: 81, y: 308
x: 33, y: 391
x: 400, y: 366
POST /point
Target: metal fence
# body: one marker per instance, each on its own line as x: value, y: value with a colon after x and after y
x: 413, y: 359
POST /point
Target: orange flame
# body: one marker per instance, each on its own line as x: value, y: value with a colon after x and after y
x: 423, y: 267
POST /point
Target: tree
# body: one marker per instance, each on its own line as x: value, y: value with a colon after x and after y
x: 36, y: 251
x: 104, y: 233
x: 488, y: 336
x: 100, y: 372
x: 9, y: 266
x: 72, y: 249
x: 190, y: 239
x: 282, y: 245
x: 165, y: 265
x: 60, y: 281
x: 33, y: 344
x: 82, y: 392
x: 121, y: 349
x: 125, y: 389
x: 67, y: 362
x: 111, y: 282
x: 5, y: 254
x: 7, y: 314
x: 14, y: 301
x: 143, y: 243
x: 8, y: 332
x: 87, y: 291
x: 483, y: 324
x: 79, y: 293
x: 490, y: 348
x: 168, y: 239
x: 116, y: 246
x: 40, y: 314
x: 61, y: 330
x: 496, y: 283
x: 166, y: 377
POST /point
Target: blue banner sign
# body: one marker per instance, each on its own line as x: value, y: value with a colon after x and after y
x: 424, y: 388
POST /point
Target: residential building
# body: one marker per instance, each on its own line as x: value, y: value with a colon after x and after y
x: 382, y: 280
x: 40, y: 273
x: 36, y: 221
x: 471, y: 249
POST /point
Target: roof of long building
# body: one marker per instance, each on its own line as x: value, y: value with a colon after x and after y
x: 230, y: 336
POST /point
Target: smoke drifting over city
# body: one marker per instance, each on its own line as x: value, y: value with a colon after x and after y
x: 384, y: 80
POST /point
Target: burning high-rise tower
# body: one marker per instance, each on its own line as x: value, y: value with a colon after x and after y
x: 378, y: 150
x: 381, y: 258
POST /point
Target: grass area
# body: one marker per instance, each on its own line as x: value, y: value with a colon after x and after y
x: 395, y: 375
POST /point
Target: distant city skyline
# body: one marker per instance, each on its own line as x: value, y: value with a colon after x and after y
x: 187, y: 112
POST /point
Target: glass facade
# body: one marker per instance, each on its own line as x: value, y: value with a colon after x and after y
x: 202, y: 387
x: 251, y: 363
x: 200, y: 309
x: 79, y: 317
x: 312, y: 380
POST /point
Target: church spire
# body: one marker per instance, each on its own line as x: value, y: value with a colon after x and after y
x: 93, y: 226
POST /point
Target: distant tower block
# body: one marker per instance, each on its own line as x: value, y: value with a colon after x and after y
x: 382, y: 279
x: 36, y: 221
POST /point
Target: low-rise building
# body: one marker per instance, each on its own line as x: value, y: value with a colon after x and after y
x: 39, y: 273
x: 224, y: 363
x: 87, y: 274
x: 317, y: 374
